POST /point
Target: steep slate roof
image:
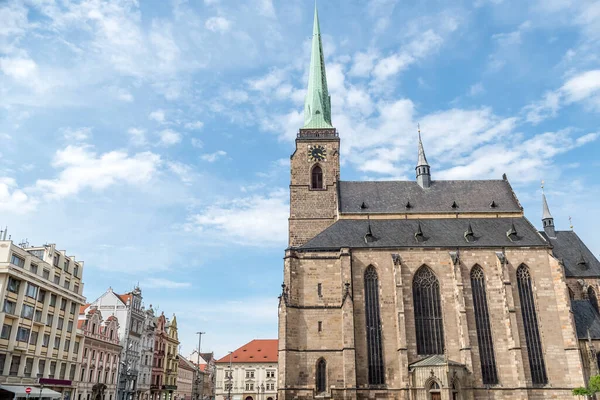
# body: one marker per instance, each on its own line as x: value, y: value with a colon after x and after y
x: 569, y: 248
x: 586, y: 318
x: 447, y: 232
x: 256, y: 351
x: 392, y: 196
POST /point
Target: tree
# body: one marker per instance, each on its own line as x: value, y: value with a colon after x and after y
x: 592, y: 389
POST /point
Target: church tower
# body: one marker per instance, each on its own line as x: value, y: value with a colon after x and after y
x: 315, y: 164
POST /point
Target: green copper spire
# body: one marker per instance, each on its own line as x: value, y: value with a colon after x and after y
x: 317, y: 106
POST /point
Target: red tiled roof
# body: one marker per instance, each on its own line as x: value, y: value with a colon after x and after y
x: 202, y: 367
x: 83, y: 307
x: 258, y: 350
x: 80, y: 323
x: 124, y: 297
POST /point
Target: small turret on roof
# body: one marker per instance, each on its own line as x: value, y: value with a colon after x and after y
x: 547, y: 219
x: 423, y: 170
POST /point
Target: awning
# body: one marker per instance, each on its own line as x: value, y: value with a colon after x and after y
x: 19, y: 391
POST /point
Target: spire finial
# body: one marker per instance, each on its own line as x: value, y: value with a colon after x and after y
x: 547, y: 219
x: 423, y: 172
x: 570, y: 222
x: 317, y: 105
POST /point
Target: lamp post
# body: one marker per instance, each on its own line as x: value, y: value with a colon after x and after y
x: 230, y: 377
x: 201, y: 391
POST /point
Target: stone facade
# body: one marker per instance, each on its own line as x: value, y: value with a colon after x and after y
x: 326, y: 326
x: 41, y: 293
x: 101, y: 352
x: 185, y: 379
x: 147, y: 353
x: 158, y: 360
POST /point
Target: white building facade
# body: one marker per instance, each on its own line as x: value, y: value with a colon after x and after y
x: 147, y: 352
x: 41, y: 293
x: 250, y: 372
x: 128, y: 310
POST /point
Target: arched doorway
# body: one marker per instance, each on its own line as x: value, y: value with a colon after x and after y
x: 455, y: 391
x: 434, y: 391
x: 249, y: 398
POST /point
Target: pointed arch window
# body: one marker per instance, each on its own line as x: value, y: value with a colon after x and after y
x: 592, y: 298
x: 482, y: 323
x: 321, y: 378
x: 530, y: 325
x: 374, y: 348
x: 428, y: 312
x: 316, y: 181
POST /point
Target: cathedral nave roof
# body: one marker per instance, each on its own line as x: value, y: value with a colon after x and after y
x: 442, y: 232
x: 391, y: 197
x: 586, y: 319
x: 577, y: 259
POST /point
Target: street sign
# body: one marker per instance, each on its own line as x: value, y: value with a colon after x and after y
x: 28, y: 390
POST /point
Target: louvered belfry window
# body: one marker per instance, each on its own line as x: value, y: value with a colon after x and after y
x: 592, y: 297
x: 374, y: 349
x: 321, y: 376
x: 482, y: 323
x: 530, y: 325
x: 428, y: 312
x: 317, y: 178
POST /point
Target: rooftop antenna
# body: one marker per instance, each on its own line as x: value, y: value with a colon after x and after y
x: 542, y: 186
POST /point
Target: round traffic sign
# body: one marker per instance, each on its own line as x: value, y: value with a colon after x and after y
x: 28, y: 390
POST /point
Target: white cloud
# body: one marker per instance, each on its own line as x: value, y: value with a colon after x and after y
x: 243, y: 221
x: 137, y: 136
x: 362, y: 64
x: 13, y: 199
x: 212, y: 157
x: 197, y: 143
x: 157, y: 115
x: 236, y: 96
x: 195, y: 125
x: 217, y: 24
x: 183, y: 171
x: 543, y: 109
x: 476, y: 89
x: 582, y: 86
x: 77, y: 135
x: 163, y: 283
x: 81, y: 168
x: 169, y: 137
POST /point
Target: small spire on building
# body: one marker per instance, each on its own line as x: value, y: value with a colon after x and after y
x: 317, y: 105
x: 423, y: 169
x: 547, y: 219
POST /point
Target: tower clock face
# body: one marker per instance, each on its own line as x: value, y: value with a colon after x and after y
x: 317, y: 153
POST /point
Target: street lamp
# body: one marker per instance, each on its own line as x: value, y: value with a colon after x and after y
x: 230, y: 377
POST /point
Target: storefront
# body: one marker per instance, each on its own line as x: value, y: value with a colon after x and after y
x: 8, y: 392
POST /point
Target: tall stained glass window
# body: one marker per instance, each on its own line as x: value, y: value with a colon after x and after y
x: 428, y: 312
x: 482, y: 323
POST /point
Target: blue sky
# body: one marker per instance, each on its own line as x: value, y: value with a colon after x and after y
x: 151, y: 139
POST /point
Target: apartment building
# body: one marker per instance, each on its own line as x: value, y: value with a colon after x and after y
x: 248, y: 373
x: 41, y: 293
x: 101, y: 352
x: 147, y: 353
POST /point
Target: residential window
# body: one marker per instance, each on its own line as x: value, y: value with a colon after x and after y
x: 37, y: 253
x: 72, y: 372
x: 49, y: 319
x: 70, y: 326
x: 2, y: 361
x: 76, y: 270
x: 52, y: 369
x: 22, y: 334
x: 9, y: 306
x: 270, y: 374
x: 57, y: 278
x: 13, y: 285
x: 14, y: 365
x: 66, y: 266
x: 52, y: 300
x: 27, y: 311
x: 41, y: 368
x: 82, y: 379
x: 33, y: 268
x: 63, y: 304
x: 76, y: 348
x: 249, y: 374
x: 37, y: 317
x: 76, y: 288
x: 6, y: 329
x: 46, y: 340
x: 57, y: 342
x: 249, y: 386
x: 63, y: 370
x: 41, y: 295
x: 46, y: 274
x: 28, y: 366
x: 55, y: 261
x: 67, y: 284
x: 31, y: 291
x: 33, y: 338
x: 73, y: 307
x: 61, y: 322
x: 18, y: 261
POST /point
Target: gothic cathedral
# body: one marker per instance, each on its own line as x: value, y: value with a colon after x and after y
x: 425, y: 289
